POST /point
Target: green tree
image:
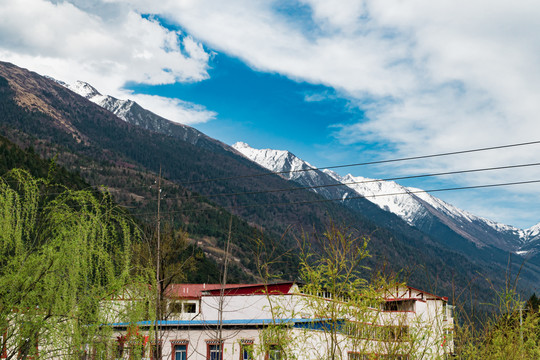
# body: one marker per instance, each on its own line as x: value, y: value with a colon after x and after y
x: 512, y: 332
x: 61, y: 255
x: 343, y: 309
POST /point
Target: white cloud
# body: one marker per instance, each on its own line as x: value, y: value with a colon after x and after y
x: 105, y: 48
x: 432, y: 76
x: 176, y: 110
x: 432, y: 68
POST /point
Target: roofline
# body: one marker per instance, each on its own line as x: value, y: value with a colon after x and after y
x: 445, y: 298
x: 217, y: 322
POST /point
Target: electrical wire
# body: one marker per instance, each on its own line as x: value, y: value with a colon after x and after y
x: 268, y: 173
x: 349, y: 198
x: 366, y: 163
x: 359, y: 182
x: 341, y: 184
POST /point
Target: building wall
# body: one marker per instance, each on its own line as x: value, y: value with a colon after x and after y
x: 420, y: 330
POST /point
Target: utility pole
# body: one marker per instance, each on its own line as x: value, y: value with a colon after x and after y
x: 222, y: 290
x: 521, y: 322
x: 158, y: 282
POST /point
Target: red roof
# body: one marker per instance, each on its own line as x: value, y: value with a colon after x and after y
x: 189, y: 291
x: 195, y: 291
x: 253, y: 289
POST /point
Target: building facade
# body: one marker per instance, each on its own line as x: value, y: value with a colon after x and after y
x: 279, y: 321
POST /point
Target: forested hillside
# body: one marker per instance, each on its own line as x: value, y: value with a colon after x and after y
x: 106, y: 150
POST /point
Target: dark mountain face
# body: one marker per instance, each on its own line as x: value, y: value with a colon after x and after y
x: 478, y: 239
x: 134, y: 114
x: 109, y: 151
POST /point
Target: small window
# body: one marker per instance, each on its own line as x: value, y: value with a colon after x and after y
x: 180, y: 352
x: 398, y: 305
x: 358, y: 356
x: 214, y: 352
x: 175, y: 308
x: 274, y: 353
x: 246, y: 352
x: 390, y: 306
x: 190, y: 308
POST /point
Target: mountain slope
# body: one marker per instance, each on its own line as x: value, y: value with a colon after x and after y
x: 110, y: 151
x: 415, y: 206
x: 422, y: 210
x: 134, y: 114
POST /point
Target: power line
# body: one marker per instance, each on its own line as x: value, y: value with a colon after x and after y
x: 354, y: 197
x: 366, y: 163
x: 346, y: 183
x: 184, y: 183
x: 360, y: 182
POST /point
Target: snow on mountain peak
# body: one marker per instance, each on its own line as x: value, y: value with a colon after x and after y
x: 533, y: 231
x: 415, y: 206
x: 274, y: 160
x: 388, y: 195
x: 56, y: 81
x: 120, y: 108
x: 241, y: 145
x: 84, y: 89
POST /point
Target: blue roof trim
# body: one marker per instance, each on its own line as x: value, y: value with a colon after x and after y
x: 224, y: 322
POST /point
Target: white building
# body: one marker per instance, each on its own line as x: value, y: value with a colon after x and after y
x: 278, y: 321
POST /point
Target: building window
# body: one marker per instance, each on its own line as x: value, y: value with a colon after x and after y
x: 274, y: 353
x: 215, y: 351
x: 398, y: 305
x: 246, y: 351
x: 358, y: 356
x: 175, y: 307
x: 190, y: 308
x: 179, y: 307
x: 180, y: 352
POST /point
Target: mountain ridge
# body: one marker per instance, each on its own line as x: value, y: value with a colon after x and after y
x: 117, y: 152
x: 410, y: 204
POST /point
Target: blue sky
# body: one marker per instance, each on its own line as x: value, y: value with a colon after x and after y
x: 366, y: 80
x: 266, y: 110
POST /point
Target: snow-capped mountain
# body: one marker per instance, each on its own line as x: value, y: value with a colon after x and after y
x: 420, y: 209
x: 424, y: 211
x: 135, y: 114
x: 295, y: 169
x: 121, y: 108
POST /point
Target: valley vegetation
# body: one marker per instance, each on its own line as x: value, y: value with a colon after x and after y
x: 64, y: 251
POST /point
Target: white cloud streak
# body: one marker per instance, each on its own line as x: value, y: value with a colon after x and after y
x: 176, y: 110
x: 431, y: 76
x: 436, y: 75
x: 107, y: 49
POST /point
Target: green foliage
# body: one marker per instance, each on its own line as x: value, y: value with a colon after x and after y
x: 337, y: 298
x: 511, y: 332
x: 333, y: 276
x: 60, y: 256
x: 12, y: 156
